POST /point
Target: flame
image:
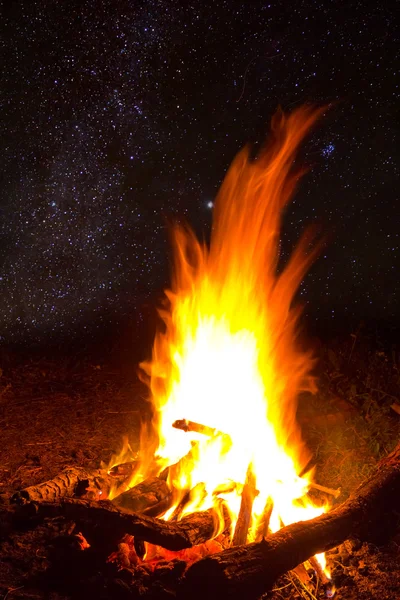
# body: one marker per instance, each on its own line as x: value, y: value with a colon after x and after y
x: 228, y: 356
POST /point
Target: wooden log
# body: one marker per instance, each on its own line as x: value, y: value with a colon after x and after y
x: 326, y: 490
x: 322, y: 577
x: 126, y: 469
x: 185, y: 425
x: 72, y: 481
x: 152, y: 493
x: 158, y: 509
x: 263, y: 526
x: 249, y: 571
x: 301, y: 573
x: 246, y: 506
x: 191, y: 530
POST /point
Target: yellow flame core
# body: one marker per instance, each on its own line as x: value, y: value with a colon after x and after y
x: 228, y: 356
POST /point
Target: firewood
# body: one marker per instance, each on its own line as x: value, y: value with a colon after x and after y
x: 151, y: 495
x: 314, y: 564
x: 263, y: 526
x: 249, y: 571
x: 323, y: 488
x: 126, y: 469
x: 72, y: 481
x: 301, y: 573
x: 191, y: 530
x: 185, y: 425
x: 246, y: 506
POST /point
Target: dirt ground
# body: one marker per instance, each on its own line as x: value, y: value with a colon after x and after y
x: 68, y: 412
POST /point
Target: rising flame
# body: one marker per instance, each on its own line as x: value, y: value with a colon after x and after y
x: 228, y: 356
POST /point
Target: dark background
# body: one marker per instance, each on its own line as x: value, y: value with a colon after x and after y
x: 115, y: 115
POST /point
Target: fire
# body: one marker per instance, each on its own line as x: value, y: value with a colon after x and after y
x: 228, y: 356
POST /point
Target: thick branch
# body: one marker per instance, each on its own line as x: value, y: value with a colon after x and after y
x: 72, y: 481
x: 191, y: 530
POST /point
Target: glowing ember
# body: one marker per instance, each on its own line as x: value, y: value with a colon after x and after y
x: 227, y: 358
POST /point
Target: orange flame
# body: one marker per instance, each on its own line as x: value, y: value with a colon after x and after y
x: 228, y: 356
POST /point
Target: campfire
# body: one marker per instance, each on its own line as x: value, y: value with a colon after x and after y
x: 220, y: 500
x: 226, y: 369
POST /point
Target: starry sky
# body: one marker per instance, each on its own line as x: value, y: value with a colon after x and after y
x: 116, y: 115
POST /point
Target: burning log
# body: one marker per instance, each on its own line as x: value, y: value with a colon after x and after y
x: 263, y: 527
x: 249, y: 571
x: 151, y: 496
x: 185, y: 425
x: 314, y: 564
x: 248, y: 494
x: 126, y: 469
x: 191, y: 530
x: 72, y: 481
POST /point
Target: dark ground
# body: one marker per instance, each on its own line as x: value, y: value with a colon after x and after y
x: 74, y: 410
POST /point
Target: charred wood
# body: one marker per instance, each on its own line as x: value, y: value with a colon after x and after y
x: 185, y: 425
x: 113, y: 522
x: 246, y: 506
x: 126, y: 469
x: 263, y: 527
x: 72, y: 481
x: 151, y: 495
x: 314, y: 564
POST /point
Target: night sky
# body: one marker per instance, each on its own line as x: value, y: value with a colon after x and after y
x: 117, y: 115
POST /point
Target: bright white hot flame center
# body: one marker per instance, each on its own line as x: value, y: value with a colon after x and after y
x: 220, y: 385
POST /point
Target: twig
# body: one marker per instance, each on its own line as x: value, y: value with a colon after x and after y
x: 330, y: 491
x: 306, y: 590
x: 11, y: 590
x: 186, y: 425
x: 39, y: 443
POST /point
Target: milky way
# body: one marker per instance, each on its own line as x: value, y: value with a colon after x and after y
x: 118, y: 115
